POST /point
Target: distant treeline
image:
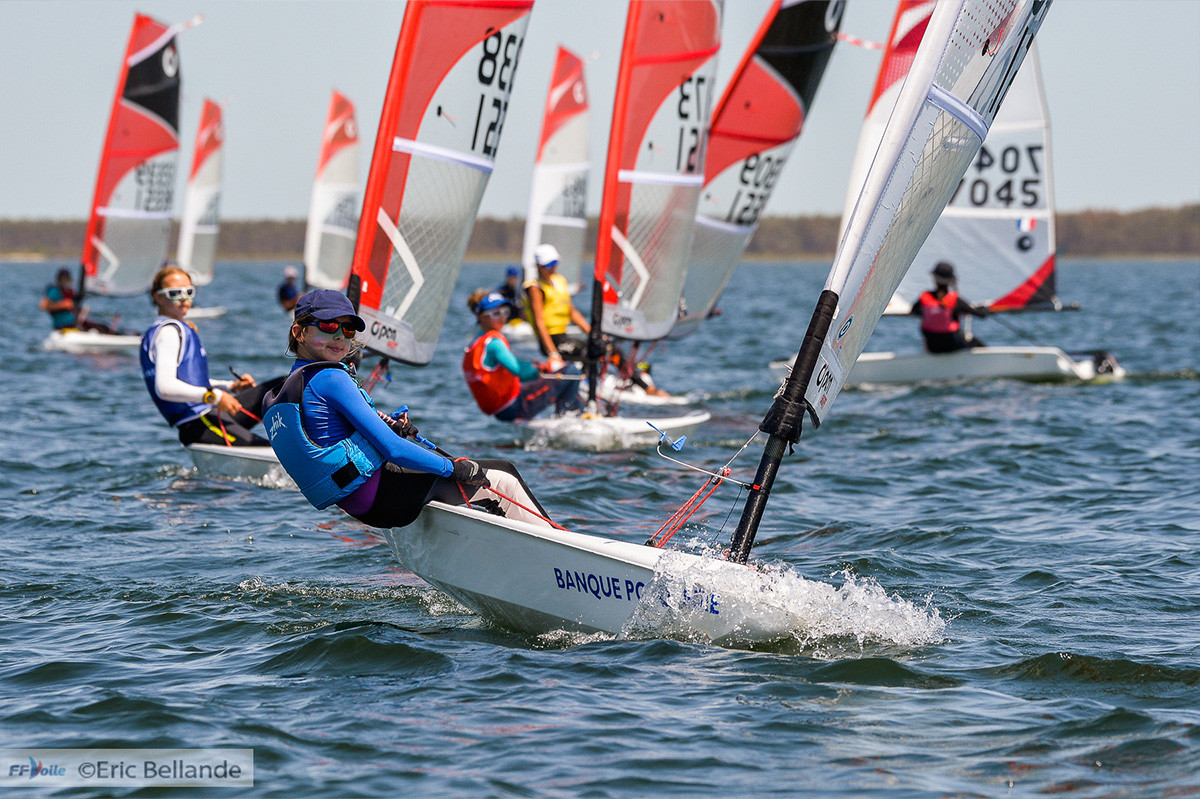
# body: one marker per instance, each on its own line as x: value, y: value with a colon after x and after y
x: 1086, y: 234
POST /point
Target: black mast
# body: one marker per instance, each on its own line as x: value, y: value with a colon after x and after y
x: 783, y: 424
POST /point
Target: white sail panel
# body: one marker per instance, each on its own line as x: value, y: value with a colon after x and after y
x: 655, y: 164
x: 558, y: 195
x: 961, y: 72
x: 998, y: 230
x: 199, y: 222
x: 333, y: 209
x: 438, y: 137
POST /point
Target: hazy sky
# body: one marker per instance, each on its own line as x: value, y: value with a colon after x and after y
x: 1122, y: 81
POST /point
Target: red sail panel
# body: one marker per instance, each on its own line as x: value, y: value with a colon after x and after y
x: 341, y: 130
x: 144, y: 123
x: 210, y: 135
x: 567, y: 97
x: 435, y: 34
x: 908, y: 27
x: 1038, y: 286
x: 665, y: 42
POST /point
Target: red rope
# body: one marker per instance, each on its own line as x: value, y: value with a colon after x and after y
x: 685, y: 512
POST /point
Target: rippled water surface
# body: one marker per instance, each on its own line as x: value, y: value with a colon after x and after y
x: 996, y: 586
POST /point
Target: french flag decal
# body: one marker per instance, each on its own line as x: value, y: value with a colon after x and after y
x: 1026, y: 224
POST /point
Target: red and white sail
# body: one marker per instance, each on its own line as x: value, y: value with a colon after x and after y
x: 655, y: 167
x: 755, y: 126
x: 333, y: 211
x: 962, y: 71
x: 438, y: 136
x: 129, y: 225
x: 200, y: 220
x: 558, y: 196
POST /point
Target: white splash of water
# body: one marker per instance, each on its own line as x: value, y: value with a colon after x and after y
x: 710, y: 599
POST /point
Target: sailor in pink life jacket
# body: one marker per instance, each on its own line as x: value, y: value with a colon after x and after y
x: 940, y: 311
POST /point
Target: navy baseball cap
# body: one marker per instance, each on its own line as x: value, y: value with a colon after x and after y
x: 326, y: 304
x: 513, y: 271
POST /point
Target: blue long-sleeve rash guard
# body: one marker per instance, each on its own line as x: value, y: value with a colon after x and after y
x: 498, y: 354
x: 332, y: 408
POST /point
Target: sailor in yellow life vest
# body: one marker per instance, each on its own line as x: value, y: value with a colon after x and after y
x: 503, y: 385
x: 550, y: 310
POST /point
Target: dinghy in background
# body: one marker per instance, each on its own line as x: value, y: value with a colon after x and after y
x: 998, y: 231
x: 652, y: 181
x: 129, y: 224
x: 537, y: 580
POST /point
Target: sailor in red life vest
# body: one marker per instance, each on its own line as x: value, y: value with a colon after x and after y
x: 504, y: 386
x: 940, y: 311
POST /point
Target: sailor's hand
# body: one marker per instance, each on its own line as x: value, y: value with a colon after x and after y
x: 399, y: 424
x: 243, y: 381
x: 980, y: 310
x: 228, y: 403
x: 554, y: 363
x: 470, y: 473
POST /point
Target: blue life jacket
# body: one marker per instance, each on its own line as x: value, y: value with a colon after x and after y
x: 324, y: 474
x: 193, y: 369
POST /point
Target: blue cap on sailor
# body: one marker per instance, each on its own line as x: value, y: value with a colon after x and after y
x: 326, y: 304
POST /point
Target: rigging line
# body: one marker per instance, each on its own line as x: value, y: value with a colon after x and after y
x: 1016, y: 330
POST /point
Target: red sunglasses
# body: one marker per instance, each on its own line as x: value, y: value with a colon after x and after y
x: 332, y: 326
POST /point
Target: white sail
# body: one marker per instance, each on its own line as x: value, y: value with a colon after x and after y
x: 333, y: 211
x: 953, y: 91
x: 438, y: 137
x: 199, y: 222
x: 998, y: 230
x: 558, y: 196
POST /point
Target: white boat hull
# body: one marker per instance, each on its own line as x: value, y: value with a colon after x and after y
x: 537, y: 579
x: 90, y: 342
x: 259, y: 464
x: 609, y: 390
x: 978, y: 363
x: 604, y: 433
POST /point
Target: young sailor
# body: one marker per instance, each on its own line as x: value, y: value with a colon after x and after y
x: 341, y: 451
x: 175, y: 368
x: 940, y: 311
x: 505, y: 386
x: 550, y: 309
x: 59, y: 300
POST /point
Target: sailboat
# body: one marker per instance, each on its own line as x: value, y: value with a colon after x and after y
x: 129, y: 224
x: 998, y: 231
x: 755, y: 126
x: 538, y: 579
x: 652, y: 183
x: 200, y: 221
x: 333, y: 211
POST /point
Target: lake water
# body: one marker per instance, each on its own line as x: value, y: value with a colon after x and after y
x: 1001, y: 580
